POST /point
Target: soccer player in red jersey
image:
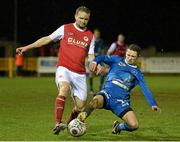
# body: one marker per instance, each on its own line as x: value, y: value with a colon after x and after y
x: 118, y: 47
x: 76, y: 42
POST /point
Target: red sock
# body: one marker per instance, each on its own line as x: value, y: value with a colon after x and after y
x: 59, y: 108
x: 73, y: 115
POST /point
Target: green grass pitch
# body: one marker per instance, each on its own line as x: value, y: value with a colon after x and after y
x: 27, y: 112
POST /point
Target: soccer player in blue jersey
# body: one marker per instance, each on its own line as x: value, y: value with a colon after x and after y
x: 122, y: 77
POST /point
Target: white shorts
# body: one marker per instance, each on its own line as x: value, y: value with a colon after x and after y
x: 77, y: 82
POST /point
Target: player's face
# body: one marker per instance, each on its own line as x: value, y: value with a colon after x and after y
x: 97, y: 34
x: 121, y: 38
x: 82, y: 19
x: 131, y: 56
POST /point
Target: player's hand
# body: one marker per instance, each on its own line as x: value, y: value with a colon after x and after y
x: 156, y: 108
x: 92, y: 66
x: 21, y: 50
x: 100, y: 69
x: 96, y: 68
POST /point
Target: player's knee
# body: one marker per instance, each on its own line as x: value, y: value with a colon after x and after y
x: 63, y: 91
x: 95, y: 103
x: 134, y: 125
x: 64, y: 88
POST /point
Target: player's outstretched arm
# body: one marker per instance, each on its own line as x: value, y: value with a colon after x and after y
x: 39, y: 43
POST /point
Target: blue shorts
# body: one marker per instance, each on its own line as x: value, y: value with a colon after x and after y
x: 118, y: 106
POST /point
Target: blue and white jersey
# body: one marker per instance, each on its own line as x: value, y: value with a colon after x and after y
x: 123, y: 77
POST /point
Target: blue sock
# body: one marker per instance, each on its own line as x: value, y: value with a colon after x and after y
x: 124, y: 126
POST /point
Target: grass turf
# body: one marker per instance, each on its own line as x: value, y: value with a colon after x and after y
x: 27, y: 112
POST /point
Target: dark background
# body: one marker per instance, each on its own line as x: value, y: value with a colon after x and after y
x: 146, y: 23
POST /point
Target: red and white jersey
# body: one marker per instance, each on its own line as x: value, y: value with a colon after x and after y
x: 118, y: 48
x: 75, y: 44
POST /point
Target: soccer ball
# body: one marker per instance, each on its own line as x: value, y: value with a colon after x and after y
x: 76, y: 128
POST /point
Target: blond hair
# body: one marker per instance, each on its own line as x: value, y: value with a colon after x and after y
x: 84, y: 9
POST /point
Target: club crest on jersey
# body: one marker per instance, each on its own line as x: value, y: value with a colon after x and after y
x: 77, y: 42
x: 86, y: 38
x: 134, y: 72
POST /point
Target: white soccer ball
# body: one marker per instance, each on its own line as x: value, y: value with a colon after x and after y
x: 76, y: 128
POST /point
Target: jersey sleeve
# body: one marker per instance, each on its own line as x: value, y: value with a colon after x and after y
x: 58, y: 34
x: 91, y: 47
x: 146, y: 91
x: 106, y: 59
x: 112, y: 48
